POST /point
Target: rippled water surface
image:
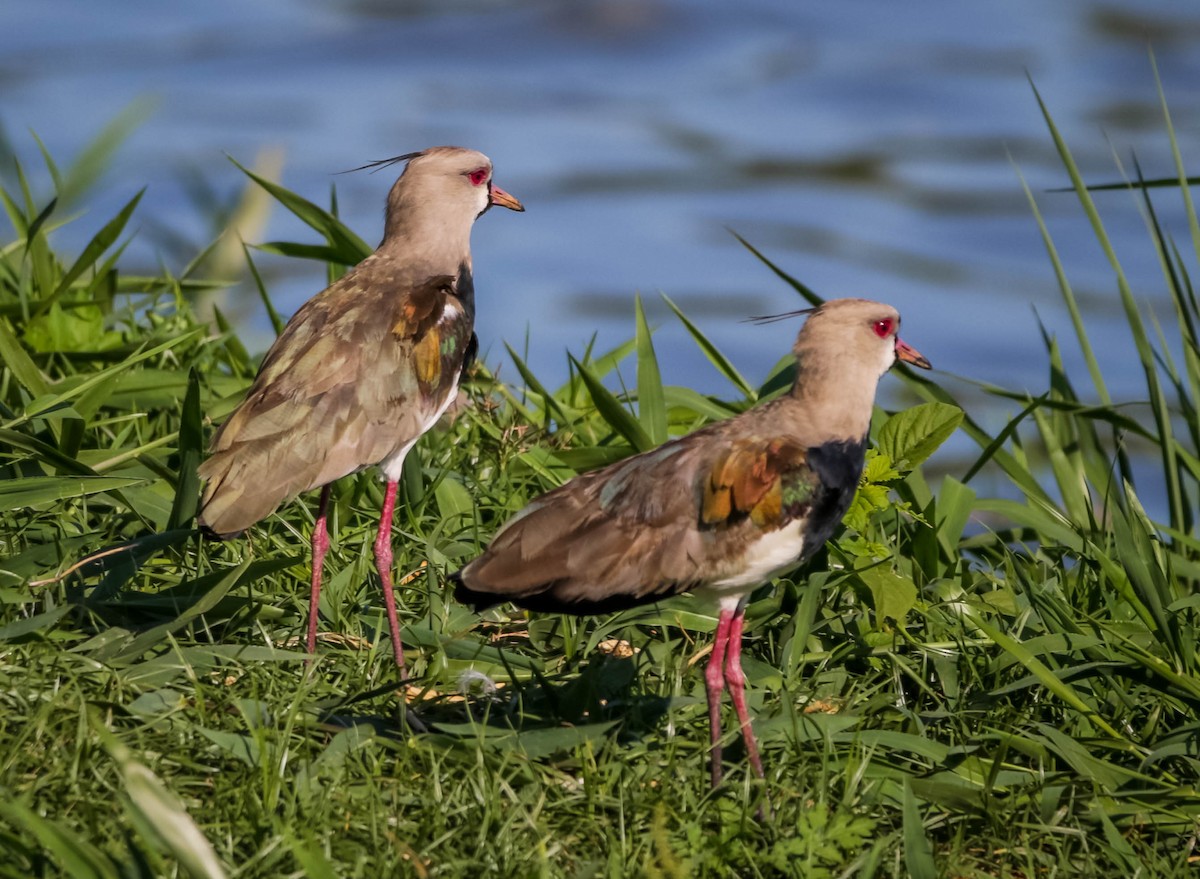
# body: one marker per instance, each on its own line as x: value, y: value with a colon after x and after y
x: 870, y: 148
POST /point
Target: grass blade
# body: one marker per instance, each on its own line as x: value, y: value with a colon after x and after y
x: 652, y: 408
x: 714, y: 355
x: 613, y: 411
x: 918, y: 852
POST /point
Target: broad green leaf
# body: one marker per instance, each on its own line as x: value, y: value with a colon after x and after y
x: 911, y: 436
x: 453, y: 498
x: 310, y: 858
x: 158, y: 703
x: 78, y: 329
x: 892, y: 595
x: 541, y: 743
x: 238, y: 745
x: 954, y: 506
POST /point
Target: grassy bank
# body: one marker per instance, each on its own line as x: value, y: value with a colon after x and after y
x: 959, y: 686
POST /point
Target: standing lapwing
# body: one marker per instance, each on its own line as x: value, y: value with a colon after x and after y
x: 719, y: 511
x: 363, y: 368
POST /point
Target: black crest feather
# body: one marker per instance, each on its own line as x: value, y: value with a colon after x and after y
x: 773, y: 318
x: 379, y: 164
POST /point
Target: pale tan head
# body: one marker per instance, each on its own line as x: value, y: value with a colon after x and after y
x: 441, y: 193
x: 851, y: 338
x: 842, y: 350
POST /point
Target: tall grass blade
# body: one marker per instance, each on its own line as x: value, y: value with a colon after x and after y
x: 277, y: 321
x: 100, y: 242
x: 350, y: 248
x: 191, y: 449
x: 1158, y: 400
x: 1184, y: 182
x: 918, y: 852
x: 97, y: 156
x: 1068, y: 295
x: 809, y: 296
x: 723, y: 364
x: 23, y: 368
x: 32, y: 491
x: 652, y: 408
x: 47, y: 403
x: 612, y: 410
x: 549, y: 401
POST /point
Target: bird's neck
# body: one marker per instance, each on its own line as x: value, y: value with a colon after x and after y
x: 837, y: 396
x: 437, y: 240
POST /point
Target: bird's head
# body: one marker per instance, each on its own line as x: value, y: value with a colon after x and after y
x: 845, y: 346
x: 456, y: 180
x: 858, y: 332
x: 440, y: 194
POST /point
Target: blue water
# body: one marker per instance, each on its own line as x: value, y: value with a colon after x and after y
x: 870, y: 148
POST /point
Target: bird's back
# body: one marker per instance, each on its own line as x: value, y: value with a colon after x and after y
x: 718, y: 509
x: 359, y: 373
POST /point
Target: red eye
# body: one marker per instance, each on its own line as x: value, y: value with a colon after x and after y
x: 479, y: 176
x: 884, y: 328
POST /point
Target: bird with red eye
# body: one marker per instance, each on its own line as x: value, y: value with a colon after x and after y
x: 362, y: 369
x: 719, y: 511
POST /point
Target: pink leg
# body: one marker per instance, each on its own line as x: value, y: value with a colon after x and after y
x: 320, y: 546
x: 383, y: 562
x: 736, y: 680
x: 714, y: 684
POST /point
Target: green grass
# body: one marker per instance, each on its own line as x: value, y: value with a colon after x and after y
x: 959, y: 686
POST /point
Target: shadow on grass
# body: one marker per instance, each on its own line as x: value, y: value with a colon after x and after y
x: 538, y: 716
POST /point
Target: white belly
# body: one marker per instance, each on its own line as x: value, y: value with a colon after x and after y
x: 772, y: 553
x: 393, y: 465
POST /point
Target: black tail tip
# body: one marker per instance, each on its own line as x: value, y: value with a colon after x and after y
x: 210, y: 534
x: 464, y: 594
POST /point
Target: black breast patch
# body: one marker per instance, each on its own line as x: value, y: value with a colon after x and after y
x: 839, y: 466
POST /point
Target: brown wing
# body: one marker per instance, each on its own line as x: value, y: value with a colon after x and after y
x: 357, y: 374
x: 653, y: 525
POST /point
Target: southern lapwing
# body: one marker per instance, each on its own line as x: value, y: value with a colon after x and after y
x: 363, y: 368
x: 719, y: 511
